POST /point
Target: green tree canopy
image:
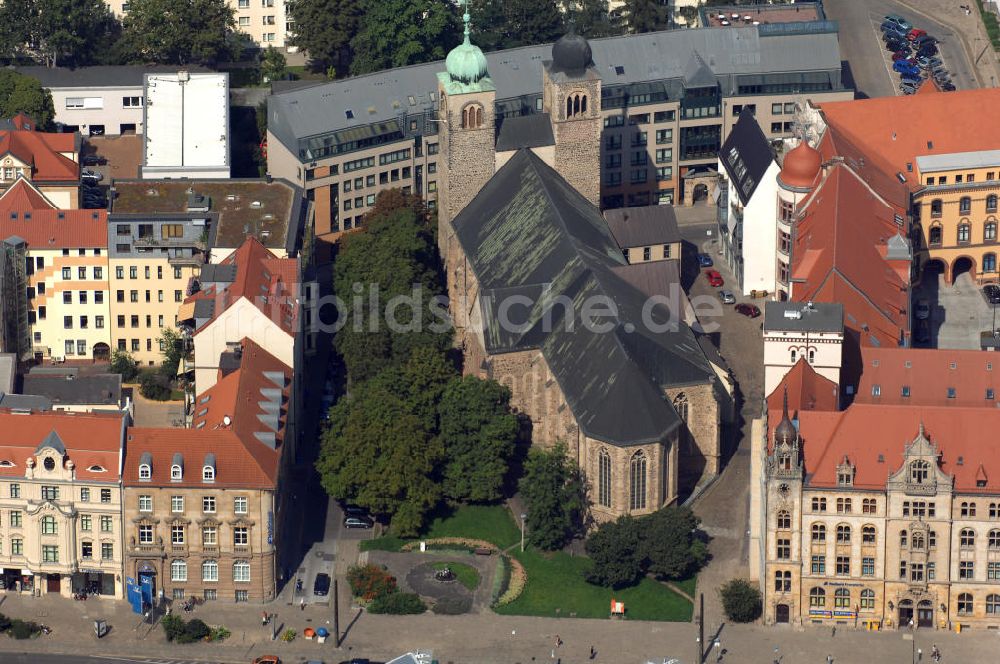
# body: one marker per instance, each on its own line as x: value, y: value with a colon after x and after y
x: 380, y: 455
x: 479, y: 433
x: 396, y: 33
x: 741, y: 600
x: 592, y: 18
x: 670, y: 543
x: 553, y: 490
x: 645, y: 15
x: 394, y: 256
x: 616, y: 552
x: 273, y: 65
x: 59, y: 32
x: 179, y: 32
x: 24, y: 94
x: 123, y: 363
x: 324, y: 29
x: 510, y: 23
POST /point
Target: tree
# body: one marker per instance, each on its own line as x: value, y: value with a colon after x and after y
x: 25, y: 94
x: 153, y: 385
x: 616, y: 552
x: 512, y: 23
x: 670, y: 543
x: 123, y: 363
x: 324, y: 29
x: 60, y: 32
x: 397, y: 33
x: 479, y: 433
x: 377, y: 453
x: 592, y: 17
x: 552, y: 487
x: 173, y: 352
x: 740, y: 600
x: 179, y: 32
x: 645, y: 15
x: 273, y: 66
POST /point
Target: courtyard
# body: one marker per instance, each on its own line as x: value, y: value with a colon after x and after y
x: 959, y: 312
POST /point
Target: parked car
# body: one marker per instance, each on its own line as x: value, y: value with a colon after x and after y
x: 923, y: 61
x: 898, y: 21
x: 896, y: 45
x: 358, y: 522
x: 935, y: 62
x: 948, y: 87
x: 915, y: 79
x: 355, y: 510
x: 900, y: 55
x: 727, y: 297
x: 928, y: 50
x: 992, y: 293
x: 924, y: 39
x: 714, y: 278
x: 94, y: 160
x: 903, y: 67
x: 267, y: 659
x: 321, y: 586
x: 916, y: 32
x: 922, y: 310
x: 907, y: 88
x: 748, y: 310
x: 704, y: 260
x: 94, y: 176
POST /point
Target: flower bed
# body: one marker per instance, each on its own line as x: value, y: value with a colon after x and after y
x: 459, y: 543
x: 518, y: 579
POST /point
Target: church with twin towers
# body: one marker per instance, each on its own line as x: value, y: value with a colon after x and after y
x: 638, y: 398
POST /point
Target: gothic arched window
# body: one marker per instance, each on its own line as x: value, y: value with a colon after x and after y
x: 604, y: 478
x: 637, y: 481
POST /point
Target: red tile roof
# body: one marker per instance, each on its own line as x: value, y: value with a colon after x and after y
x: 269, y: 282
x: 90, y: 439
x: 807, y: 390
x: 26, y: 213
x: 928, y: 373
x: 242, y: 459
x: 42, y: 151
x: 898, y: 129
x: 965, y: 437
x: 839, y: 256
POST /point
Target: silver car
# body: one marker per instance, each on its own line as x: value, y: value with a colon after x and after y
x: 727, y: 297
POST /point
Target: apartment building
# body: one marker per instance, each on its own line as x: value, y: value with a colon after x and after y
x: 203, y: 505
x: 60, y: 500
x: 669, y: 101
x: 61, y: 298
x: 161, y: 233
x: 879, y: 514
x: 49, y: 161
x: 266, y: 22
x: 98, y: 101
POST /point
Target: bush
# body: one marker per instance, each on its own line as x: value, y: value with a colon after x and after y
x: 453, y: 606
x: 173, y: 626
x: 369, y: 582
x: 124, y: 364
x: 24, y: 629
x: 219, y: 633
x: 741, y: 601
x: 4, y: 623
x: 397, y: 604
x: 194, y: 630
x: 152, y: 385
x: 289, y: 635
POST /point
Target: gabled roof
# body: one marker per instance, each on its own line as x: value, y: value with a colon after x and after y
x: 927, y: 374
x: 697, y: 74
x: 26, y: 213
x: 746, y: 156
x: 87, y: 439
x: 806, y: 389
x: 268, y: 282
x: 91, y: 389
x: 529, y: 233
x: 839, y: 256
x: 41, y: 151
x: 875, y: 437
x: 525, y: 131
x: 651, y: 225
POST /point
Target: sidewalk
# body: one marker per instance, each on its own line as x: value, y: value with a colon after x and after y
x: 471, y: 639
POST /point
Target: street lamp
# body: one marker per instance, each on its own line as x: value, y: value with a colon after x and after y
x: 523, y: 517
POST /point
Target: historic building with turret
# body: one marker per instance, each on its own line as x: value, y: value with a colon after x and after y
x: 636, y: 396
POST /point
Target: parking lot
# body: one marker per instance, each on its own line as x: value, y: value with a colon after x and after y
x: 959, y: 312
x: 870, y: 64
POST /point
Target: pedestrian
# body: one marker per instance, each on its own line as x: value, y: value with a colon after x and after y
x: 834, y: 632
x: 302, y: 604
x: 263, y: 619
x: 558, y: 641
x: 593, y: 652
x: 829, y: 659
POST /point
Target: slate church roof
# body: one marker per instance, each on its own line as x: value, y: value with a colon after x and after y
x: 529, y: 233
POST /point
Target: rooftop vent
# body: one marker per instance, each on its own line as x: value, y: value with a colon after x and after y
x: 793, y: 314
x: 256, y: 205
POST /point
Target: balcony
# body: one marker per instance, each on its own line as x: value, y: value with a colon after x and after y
x: 153, y: 241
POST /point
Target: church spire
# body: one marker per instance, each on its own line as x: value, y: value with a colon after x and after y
x: 466, y: 19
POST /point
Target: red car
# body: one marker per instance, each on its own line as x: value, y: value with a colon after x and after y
x: 914, y: 33
x: 714, y: 278
x: 748, y: 310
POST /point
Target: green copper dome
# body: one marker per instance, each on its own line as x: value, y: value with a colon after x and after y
x: 466, y: 62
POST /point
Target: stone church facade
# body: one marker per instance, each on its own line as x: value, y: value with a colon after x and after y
x: 640, y: 413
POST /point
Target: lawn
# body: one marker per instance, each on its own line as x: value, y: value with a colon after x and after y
x: 556, y: 588
x: 492, y: 523
x: 466, y: 574
x: 688, y: 585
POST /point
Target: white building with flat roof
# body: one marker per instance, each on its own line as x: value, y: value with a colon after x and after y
x: 187, y: 126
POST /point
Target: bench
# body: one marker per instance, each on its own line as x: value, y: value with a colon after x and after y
x: 483, y: 551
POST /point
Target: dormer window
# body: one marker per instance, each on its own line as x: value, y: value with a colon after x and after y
x: 49, y: 463
x: 6, y: 464
x: 208, y: 474
x: 176, y: 473
x: 145, y: 471
x: 97, y: 469
x: 845, y: 473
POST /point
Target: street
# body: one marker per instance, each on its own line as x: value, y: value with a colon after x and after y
x: 38, y: 658
x: 861, y: 45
